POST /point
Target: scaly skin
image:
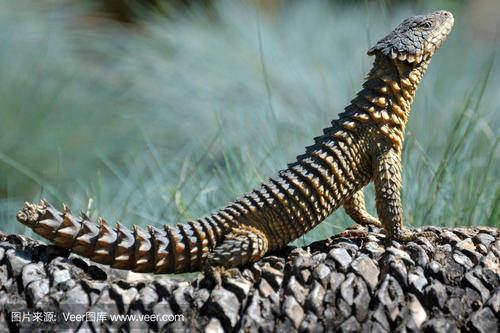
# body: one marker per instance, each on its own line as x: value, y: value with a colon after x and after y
x: 363, y: 145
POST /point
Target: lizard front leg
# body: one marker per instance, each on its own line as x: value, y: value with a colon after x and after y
x: 387, y: 179
x: 355, y: 207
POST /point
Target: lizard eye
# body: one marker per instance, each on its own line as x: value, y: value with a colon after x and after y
x: 426, y: 25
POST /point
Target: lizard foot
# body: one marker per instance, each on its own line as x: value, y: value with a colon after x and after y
x: 406, y: 235
x: 403, y: 235
x: 218, y: 273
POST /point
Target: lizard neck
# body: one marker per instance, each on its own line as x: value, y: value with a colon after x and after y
x: 387, y: 95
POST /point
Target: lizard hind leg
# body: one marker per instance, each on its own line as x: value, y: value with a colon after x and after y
x: 242, y: 245
x: 355, y: 207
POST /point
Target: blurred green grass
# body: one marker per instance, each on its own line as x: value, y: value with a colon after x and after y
x: 171, y: 119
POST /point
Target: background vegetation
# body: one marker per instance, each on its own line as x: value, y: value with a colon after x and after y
x: 171, y: 113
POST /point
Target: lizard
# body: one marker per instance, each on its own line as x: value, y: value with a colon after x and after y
x: 364, y: 144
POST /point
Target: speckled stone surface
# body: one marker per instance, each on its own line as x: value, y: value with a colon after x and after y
x: 350, y: 283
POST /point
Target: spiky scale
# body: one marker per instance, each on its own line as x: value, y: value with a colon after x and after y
x: 67, y: 231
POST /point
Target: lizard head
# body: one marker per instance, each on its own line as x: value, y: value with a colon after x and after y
x: 416, y: 38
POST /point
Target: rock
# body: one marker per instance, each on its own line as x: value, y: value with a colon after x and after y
x: 293, y: 311
x: 482, y: 249
x: 474, y: 256
x: 454, y: 306
x: 475, y: 283
x: 134, y: 276
x: 342, y: 257
x: 494, y: 303
x: 366, y: 268
x: 400, y: 255
x: 105, y: 304
x: 463, y: 260
x: 484, y: 321
x: 443, y: 285
x: 94, y: 289
x: 389, y: 293
x: 450, y: 237
x: 181, y: 299
x: 4, y: 278
x: 436, y: 294
x: 311, y: 323
x: 343, y: 309
x: 225, y: 306
x: 296, y: 290
x: 361, y: 300
x: 472, y: 298
x: 164, y: 287
x: 276, y: 262
x: 484, y: 239
x: 417, y: 311
x: 417, y: 280
x: 97, y: 273
x: 36, y: 290
x: 214, y: 326
x: 321, y: 273
x: 239, y: 288
x: 315, y: 298
x: 32, y: 272
x: 346, y: 290
x: 380, y: 315
x: 444, y: 248
x: 304, y: 276
x: 329, y: 314
x: 273, y: 276
x: 373, y: 327
x: 345, y: 243
x: 330, y: 298
x: 16, y: 260
x: 397, y: 267
x: 163, y: 308
x: 433, y: 268
x: 148, y: 298
x: 492, y: 262
x: 268, y: 311
x: 265, y: 289
x: 336, y: 280
x: 440, y: 325
x: 487, y: 277
x: 318, y: 258
x: 417, y: 254
x: 466, y: 244
x: 60, y: 276
x: 253, y: 313
x: 76, y: 300
x: 350, y: 325
x: 139, y: 325
x: 123, y: 297
x: 451, y: 272
x: 286, y: 326
x: 201, y: 297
